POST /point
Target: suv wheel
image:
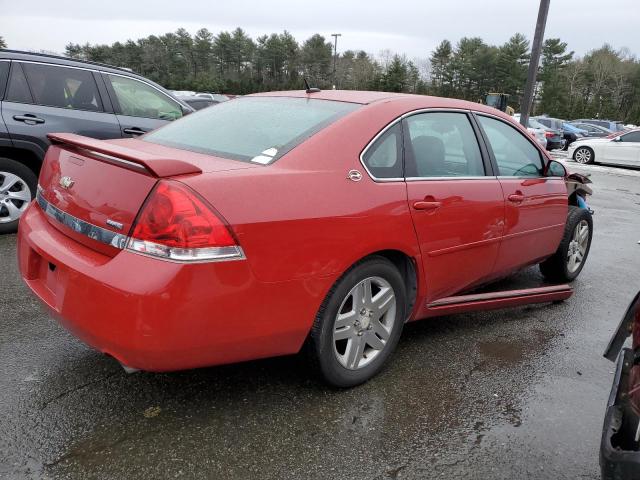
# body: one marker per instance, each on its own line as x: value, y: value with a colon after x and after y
x: 17, y: 188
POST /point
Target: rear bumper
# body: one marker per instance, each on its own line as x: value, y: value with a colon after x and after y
x: 555, y: 144
x: 157, y: 315
x: 616, y: 462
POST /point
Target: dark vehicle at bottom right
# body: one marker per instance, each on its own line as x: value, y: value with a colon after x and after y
x: 620, y: 444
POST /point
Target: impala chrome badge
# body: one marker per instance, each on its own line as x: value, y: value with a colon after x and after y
x: 354, y: 175
x: 114, y: 224
x: 66, y: 182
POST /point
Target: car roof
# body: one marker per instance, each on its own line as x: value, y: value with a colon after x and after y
x: 64, y: 61
x: 368, y: 97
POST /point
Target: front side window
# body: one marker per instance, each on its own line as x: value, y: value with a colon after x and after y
x: 441, y: 144
x: 384, y: 157
x: 631, y: 137
x: 251, y: 129
x: 515, y: 155
x: 137, y: 99
x: 62, y: 87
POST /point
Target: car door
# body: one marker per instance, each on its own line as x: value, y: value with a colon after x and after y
x: 140, y: 107
x: 456, y: 203
x: 624, y: 150
x: 45, y: 98
x: 535, y: 206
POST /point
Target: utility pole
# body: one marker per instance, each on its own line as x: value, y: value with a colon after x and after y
x: 536, y: 48
x: 335, y: 56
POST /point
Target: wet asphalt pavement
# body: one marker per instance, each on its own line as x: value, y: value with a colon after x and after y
x: 517, y: 393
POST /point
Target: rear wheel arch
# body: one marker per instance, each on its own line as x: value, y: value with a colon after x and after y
x: 27, y: 157
x: 406, y: 265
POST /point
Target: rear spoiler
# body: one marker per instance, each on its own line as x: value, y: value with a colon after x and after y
x: 150, y: 164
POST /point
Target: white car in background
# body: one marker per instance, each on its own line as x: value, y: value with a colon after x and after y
x: 536, y: 129
x: 621, y: 149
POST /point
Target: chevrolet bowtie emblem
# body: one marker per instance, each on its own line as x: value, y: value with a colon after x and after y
x: 66, y: 182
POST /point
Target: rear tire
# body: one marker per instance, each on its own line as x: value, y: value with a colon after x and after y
x: 358, y: 327
x: 18, y: 186
x: 584, y: 155
x: 566, y: 264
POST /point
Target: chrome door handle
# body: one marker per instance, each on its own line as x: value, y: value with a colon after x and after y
x: 427, y: 205
x: 133, y: 131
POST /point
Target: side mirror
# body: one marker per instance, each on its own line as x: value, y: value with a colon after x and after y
x: 555, y: 169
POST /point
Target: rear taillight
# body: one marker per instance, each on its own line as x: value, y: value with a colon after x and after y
x: 176, y: 224
x: 548, y: 134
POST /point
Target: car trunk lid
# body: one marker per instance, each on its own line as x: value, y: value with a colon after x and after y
x: 92, y: 190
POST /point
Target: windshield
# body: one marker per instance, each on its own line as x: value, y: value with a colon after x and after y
x: 252, y: 129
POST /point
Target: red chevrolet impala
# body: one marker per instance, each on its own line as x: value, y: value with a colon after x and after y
x: 278, y: 221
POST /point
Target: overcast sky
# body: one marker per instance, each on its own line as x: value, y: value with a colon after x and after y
x: 413, y: 27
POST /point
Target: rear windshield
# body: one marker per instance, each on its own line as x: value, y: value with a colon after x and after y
x: 251, y: 129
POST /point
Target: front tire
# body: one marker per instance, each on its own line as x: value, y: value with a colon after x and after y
x: 359, y: 323
x: 583, y: 155
x: 17, y: 188
x: 566, y: 264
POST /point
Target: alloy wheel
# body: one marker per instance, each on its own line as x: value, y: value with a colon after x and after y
x: 363, y: 325
x: 578, y: 246
x: 15, y: 196
x: 583, y: 155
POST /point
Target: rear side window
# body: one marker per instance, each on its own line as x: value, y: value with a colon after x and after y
x: 442, y: 144
x: 383, y: 158
x: 253, y: 129
x: 137, y: 99
x: 514, y: 153
x: 18, y: 90
x: 63, y: 87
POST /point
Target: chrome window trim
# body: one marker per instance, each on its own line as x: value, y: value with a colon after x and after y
x: 390, y: 125
x: 57, y: 65
x: 450, y: 177
x: 99, y: 234
x: 97, y: 71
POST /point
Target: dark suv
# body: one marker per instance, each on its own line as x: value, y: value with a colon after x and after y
x: 41, y: 94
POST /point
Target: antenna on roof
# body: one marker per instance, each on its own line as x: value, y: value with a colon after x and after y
x: 308, y: 88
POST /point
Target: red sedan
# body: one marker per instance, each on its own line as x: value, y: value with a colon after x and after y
x: 278, y: 221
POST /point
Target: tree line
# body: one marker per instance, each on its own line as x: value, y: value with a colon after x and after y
x: 603, y: 83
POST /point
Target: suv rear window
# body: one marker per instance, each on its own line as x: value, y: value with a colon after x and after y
x: 251, y: 129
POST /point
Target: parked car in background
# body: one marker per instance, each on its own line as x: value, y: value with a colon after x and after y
x: 40, y: 94
x: 198, y: 102
x: 592, y: 130
x: 621, y: 149
x: 218, y: 97
x: 614, y: 126
x: 572, y: 133
x: 554, y: 137
x: 537, y: 132
x: 188, y: 94
x: 193, y: 241
x: 569, y: 133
